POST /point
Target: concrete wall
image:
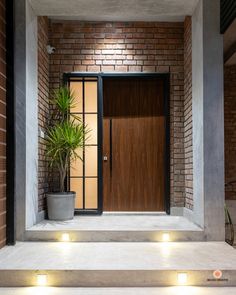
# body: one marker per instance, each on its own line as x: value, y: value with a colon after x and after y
x: 26, y: 117
x: 20, y: 107
x: 197, y: 88
x: 31, y: 117
x: 208, y: 119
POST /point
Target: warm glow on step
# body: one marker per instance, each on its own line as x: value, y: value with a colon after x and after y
x: 42, y: 280
x: 182, y: 278
x: 165, y: 237
x: 65, y: 237
x: 165, y: 249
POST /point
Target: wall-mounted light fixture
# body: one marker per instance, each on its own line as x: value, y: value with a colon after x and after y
x: 50, y: 49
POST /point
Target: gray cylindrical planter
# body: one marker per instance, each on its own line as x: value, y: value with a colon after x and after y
x: 61, y: 206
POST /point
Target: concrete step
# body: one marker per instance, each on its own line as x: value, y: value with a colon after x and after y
x: 117, y: 264
x: 118, y: 228
x: 120, y: 291
x: 114, y: 236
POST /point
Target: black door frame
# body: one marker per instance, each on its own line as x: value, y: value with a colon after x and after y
x: 10, y: 126
x: 100, y: 77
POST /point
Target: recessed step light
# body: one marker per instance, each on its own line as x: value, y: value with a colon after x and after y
x: 166, y: 237
x: 65, y: 237
x: 42, y: 280
x: 182, y: 278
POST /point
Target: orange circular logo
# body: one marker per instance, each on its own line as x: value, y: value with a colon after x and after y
x: 217, y: 274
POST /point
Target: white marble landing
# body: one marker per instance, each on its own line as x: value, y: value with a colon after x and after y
x: 119, y: 222
x: 119, y: 291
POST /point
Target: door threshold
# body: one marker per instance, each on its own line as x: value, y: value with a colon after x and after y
x: 134, y: 213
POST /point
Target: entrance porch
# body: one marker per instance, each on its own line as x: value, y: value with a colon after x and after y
x: 154, y: 218
x: 188, y: 51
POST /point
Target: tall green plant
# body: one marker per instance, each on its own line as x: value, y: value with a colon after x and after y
x: 66, y: 135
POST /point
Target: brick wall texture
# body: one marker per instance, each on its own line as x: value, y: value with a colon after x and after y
x: 230, y: 130
x: 2, y: 124
x: 188, y: 153
x: 133, y: 47
x: 43, y: 107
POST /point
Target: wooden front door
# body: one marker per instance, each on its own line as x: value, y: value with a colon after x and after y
x: 134, y: 136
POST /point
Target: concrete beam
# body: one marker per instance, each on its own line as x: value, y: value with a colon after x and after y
x: 115, y: 10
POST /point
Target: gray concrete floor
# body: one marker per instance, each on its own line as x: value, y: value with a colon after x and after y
x: 118, y: 256
x: 115, y: 222
x: 119, y: 291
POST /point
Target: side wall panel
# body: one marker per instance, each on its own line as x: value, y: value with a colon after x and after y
x: 2, y: 124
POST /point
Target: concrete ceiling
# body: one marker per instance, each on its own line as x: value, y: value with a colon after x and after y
x: 115, y: 10
x: 230, y: 44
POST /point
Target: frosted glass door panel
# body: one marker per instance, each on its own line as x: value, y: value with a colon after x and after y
x: 84, y: 174
x: 90, y: 90
x: 77, y: 90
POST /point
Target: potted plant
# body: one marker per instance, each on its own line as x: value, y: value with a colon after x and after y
x: 65, y: 136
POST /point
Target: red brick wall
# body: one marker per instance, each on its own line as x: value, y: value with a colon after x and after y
x: 188, y: 153
x: 2, y: 124
x: 230, y: 129
x: 128, y: 47
x: 43, y: 106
